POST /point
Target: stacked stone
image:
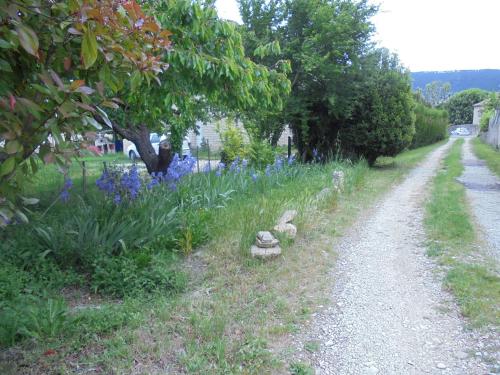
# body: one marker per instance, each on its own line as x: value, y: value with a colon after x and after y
x: 266, y: 245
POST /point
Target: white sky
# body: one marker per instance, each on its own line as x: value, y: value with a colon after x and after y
x: 431, y: 34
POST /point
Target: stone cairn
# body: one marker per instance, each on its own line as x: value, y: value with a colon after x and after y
x: 266, y: 245
x: 338, y: 180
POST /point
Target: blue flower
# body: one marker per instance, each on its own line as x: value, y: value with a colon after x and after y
x: 291, y: 160
x: 244, y: 163
x: 278, y: 163
x: 268, y: 170
x: 68, y: 184
x: 220, y: 168
x: 234, y: 165
x: 117, y: 199
x: 254, y: 177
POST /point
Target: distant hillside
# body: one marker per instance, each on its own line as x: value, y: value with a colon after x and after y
x: 486, y: 79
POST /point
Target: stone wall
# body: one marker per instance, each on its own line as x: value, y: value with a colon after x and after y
x: 492, y: 136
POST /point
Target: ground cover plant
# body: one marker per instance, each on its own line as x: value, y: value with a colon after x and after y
x: 63, y: 317
x: 470, y: 276
x: 488, y: 154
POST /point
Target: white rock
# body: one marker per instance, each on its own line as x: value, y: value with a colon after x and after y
x: 287, y: 217
x: 289, y: 229
x: 338, y: 180
x: 441, y: 366
x: 265, y: 252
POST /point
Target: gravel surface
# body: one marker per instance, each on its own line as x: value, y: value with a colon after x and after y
x: 483, y: 192
x: 391, y: 315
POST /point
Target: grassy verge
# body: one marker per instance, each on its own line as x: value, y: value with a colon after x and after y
x: 236, y: 314
x: 487, y: 153
x: 453, y: 241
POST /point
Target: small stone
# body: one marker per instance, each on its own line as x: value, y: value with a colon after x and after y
x: 289, y: 229
x: 461, y: 355
x: 371, y: 371
x: 287, y: 217
x: 338, y: 180
x: 329, y: 343
x: 441, y: 366
x: 264, y: 245
x: 265, y: 236
x: 323, y: 194
x: 265, y: 252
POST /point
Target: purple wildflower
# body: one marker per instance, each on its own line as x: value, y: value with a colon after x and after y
x: 268, y: 170
x: 291, y: 160
x: 244, y: 164
x: 315, y: 154
x: 117, y: 199
x: 68, y: 184
x: 278, y: 163
x: 220, y: 168
x: 254, y: 176
x: 234, y: 165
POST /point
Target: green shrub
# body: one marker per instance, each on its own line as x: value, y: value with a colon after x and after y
x: 460, y: 105
x: 261, y: 153
x: 136, y: 273
x: 32, y: 317
x: 484, y: 123
x: 431, y: 125
x: 232, y: 144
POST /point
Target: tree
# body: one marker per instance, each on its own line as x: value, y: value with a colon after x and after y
x: 437, y: 92
x: 460, y: 105
x: 62, y: 63
x: 382, y: 120
x: 209, y: 75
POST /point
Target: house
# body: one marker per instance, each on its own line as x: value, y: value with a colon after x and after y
x: 211, y: 133
x: 478, y: 112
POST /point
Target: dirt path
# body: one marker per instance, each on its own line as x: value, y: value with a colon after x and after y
x: 483, y: 192
x: 391, y: 314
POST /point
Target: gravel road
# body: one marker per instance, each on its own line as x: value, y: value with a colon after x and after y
x: 483, y: 191
x: 391, y: 315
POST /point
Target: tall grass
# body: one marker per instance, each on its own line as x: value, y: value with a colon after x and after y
x: 488, y: 154
x: 453, y: 241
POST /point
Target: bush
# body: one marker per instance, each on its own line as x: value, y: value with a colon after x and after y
x: 136, y: 273
x: 260, y: 153
x: 460, y: 105
x: 382, y: 122
x: 232, y: 144
x: 431, y: 125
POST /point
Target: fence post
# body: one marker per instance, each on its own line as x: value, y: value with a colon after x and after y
x: 84, y: 178
x: 197, y: 158
x: 105, y: 166
x: 209, y: 166
x: 289, y: 147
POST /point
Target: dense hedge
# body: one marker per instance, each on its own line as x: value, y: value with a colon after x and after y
x: 431, y: 125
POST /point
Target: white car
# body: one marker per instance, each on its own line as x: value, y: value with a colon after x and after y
x: 155, y: 139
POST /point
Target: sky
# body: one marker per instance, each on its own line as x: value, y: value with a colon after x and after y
x: 430, y: 34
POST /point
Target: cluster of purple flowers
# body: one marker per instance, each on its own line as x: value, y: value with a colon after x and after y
x: 220, y: 168
x: 126, y: 185
x: 68, y: 184
x: 177, y: 169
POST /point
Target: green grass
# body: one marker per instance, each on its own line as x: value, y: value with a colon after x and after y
x: 487, y: 153
x: 453, y: 242
x: 235, y: 308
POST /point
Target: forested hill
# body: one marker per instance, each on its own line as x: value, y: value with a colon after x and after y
x: 486, y: 79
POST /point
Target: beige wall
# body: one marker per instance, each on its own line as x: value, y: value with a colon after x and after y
x: 211, y: 133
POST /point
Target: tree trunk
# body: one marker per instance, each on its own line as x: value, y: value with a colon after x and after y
x: 140, y: 137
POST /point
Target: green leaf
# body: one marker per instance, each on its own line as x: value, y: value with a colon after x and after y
x: 135, y: 80
x: 13, y: 147
x: 27, y: 39
x: 92, y: 122
x: 7, y: 166
x: 4, y: 44
x: 89, y: 48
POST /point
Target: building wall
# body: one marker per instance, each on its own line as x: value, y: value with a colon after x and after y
x: 211, y: 132
x: 478, y: 112
x: 492, y: 136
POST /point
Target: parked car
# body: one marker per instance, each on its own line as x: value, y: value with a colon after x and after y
x: 461, y: 131
x: 155, y: 139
